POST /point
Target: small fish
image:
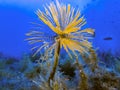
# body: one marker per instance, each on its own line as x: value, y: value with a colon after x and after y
x: 108, y: 38
x: 94, y: 34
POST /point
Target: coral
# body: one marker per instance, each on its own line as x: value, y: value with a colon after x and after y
x: 35, y: 76
x: 109, y: 61
x: 107, y: 58
x: 103, y: 80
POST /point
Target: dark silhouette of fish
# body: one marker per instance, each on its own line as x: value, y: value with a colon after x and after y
x: 108, y: 38
x: 94, y: 34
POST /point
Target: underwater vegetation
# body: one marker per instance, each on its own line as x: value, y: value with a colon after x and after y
x: 25, y: 74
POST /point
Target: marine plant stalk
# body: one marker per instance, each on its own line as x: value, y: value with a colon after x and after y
x: 56, y: 61
x: 83, y: 85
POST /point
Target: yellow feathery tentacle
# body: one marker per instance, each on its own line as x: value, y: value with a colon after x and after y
x: 88, y: 30
x: 72, y: 14
x: 34, y: 47
x: 68, y: 10
x: 34, y: 33
x: 74, y: 29
x: 47, y: 22
x: 40, y: 49
x: 35, y: 41
x: 71, y: 24
x: 74, y: 26
x: 86, y: 44
x: 75, y: 46
x: 65, y: 47
x: 54, y: 13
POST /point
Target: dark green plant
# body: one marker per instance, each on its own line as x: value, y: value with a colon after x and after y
x: 103, y: 80
x: 11, y: 60
x: 107, y: 58
x: 32, y: 73
x: 68, y: 69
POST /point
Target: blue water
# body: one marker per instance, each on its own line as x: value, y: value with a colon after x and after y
x: 15, y: 18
